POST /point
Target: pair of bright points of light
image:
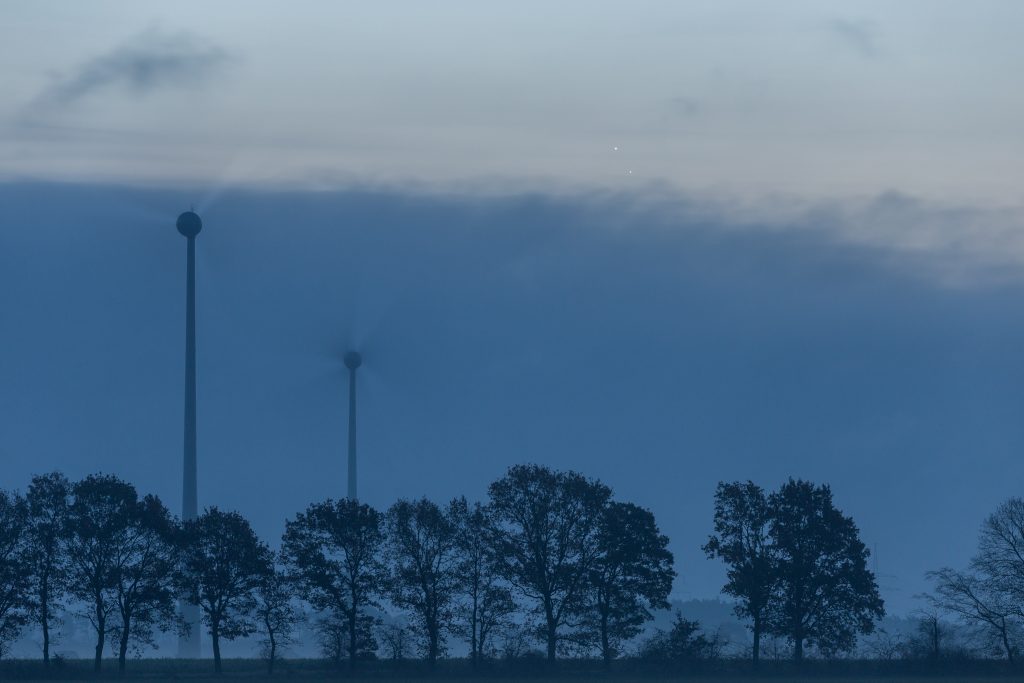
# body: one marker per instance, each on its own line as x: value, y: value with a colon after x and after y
x: 615, y: 148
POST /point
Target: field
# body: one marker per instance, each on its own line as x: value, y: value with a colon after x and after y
x: 315, y: 671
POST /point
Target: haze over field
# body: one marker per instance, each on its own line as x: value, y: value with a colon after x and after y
x: 662, y: 245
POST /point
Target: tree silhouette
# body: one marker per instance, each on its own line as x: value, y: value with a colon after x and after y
x: 48, y: 498
x: 741, y: 539
x: 15, y: 568
x: 825, y: 593
x: 143, y: 575
x: 683, y: 642
x: 486, y: 602
x: 100, y: 524
x: 276, y: 615
x: 222, y: 566
x: 547, y: 536
x: 631, y: 575
x: 334, y: 550
x: 1000, y: 556
x: 424, y: 557
x: 976, y: 601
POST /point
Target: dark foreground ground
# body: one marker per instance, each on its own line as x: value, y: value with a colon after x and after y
x: 457, y: 671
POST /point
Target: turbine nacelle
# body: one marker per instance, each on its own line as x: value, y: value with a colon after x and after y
x: 353, y: 360
x: 189, y: 224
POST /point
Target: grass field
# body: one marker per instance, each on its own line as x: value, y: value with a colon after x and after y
x: 317, y: 671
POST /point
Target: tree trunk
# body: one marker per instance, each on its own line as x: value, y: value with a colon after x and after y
x: 273, y: 651
x: 1006, y: 643
x: 434, y: 646
x: 122, y: 653
x: 44, y: 616
x: 46, y: 643
x: 798, y: 647
x: 352, y: 638
x: 481, y: 643
x: 606, y: 650
x: 757, y: 641
x: 101, y: 630
x: 215, y: 637
x: 552, y: 639
x: 473, y: 645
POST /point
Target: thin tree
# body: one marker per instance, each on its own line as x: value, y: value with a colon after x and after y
x: 930, y: 630
x: 485, y: 600
x: 334, y: 549
x: 15, y: 568
x: 547, y: 527
x: 143, y: 574
x: 276, y: 615
x: 826, y: 594
x: 222, y: 565
x: 632, y: 575
x: 742, y: 541
x: 423, y: 550
x: 395, y: 636
x: 48, y: 498
x: 977, y: 602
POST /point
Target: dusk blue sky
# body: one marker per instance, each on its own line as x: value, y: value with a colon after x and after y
x: 663, y: 246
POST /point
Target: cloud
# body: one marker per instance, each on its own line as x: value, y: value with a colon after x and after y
x: 946, y: 244
x: 859, y: 35
x: 685, y: 106
x: 151, y: 61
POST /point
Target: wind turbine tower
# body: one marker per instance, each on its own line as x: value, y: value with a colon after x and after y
x: 352, y: 361
x: 189, y: 225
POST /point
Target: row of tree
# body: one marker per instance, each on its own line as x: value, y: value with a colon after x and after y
x: 551, y: 550
x: 550, y: 553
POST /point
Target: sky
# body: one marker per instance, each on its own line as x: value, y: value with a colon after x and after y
x: 665, y: 244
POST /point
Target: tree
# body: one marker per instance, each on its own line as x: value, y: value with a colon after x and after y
x: 223, y: 563
x: 1000, y: 556
x: 976, y: 601
x: 547, y: 534
x: 334, y: 551
x: 15, y: 568
x: 631, y: 575
x: 684, y: 642
x: 276, y: 615
x: 48, y: 499
x: 143, y: 577
x: 395, y: 636
x: 741, y: 539
x: 424, y: 556
x: 334, y: 632
x: 99, y: 524
x: 826, y: 594
x: 930, y: 632
x: 485, y: 602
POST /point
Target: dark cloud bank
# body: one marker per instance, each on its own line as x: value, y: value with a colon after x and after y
x: 655, y: 349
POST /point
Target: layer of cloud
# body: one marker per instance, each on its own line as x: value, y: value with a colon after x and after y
x: 151, y: 61
x: 860, y: 35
